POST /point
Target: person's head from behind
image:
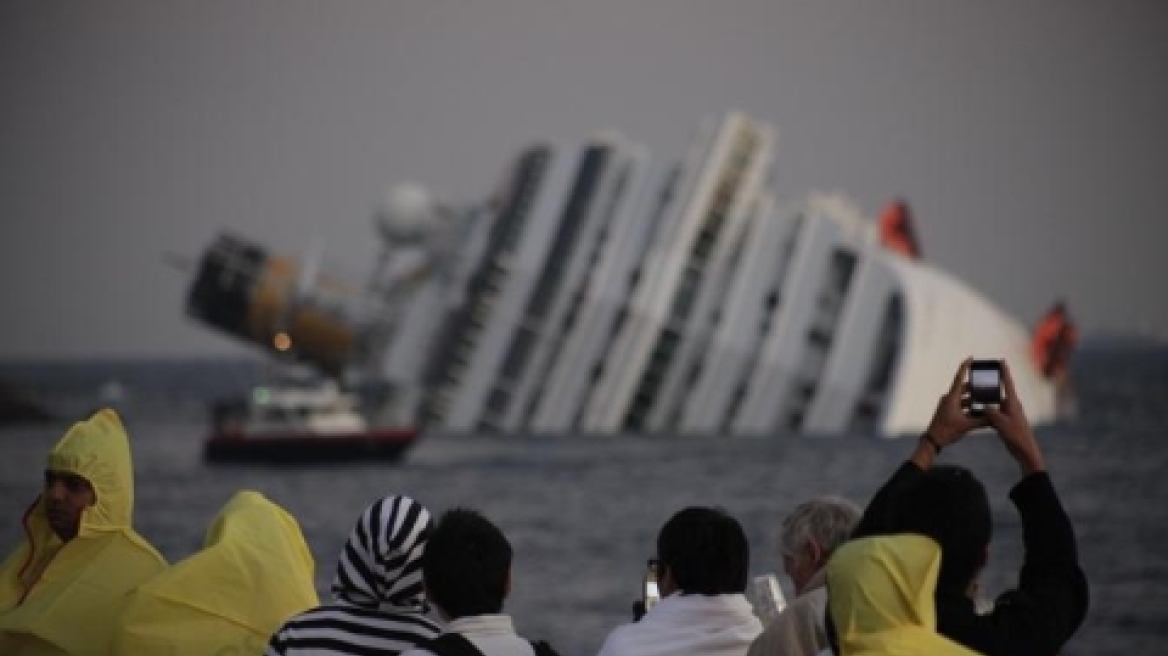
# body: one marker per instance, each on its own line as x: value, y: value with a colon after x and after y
x: 703, y: 551
x: 66, y: 497
x: 949, y: 505
x: 382, y: 560
x: 467, y: 565
x: 811, y: 533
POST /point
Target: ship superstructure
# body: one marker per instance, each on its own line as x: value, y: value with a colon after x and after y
x: 603, y: 291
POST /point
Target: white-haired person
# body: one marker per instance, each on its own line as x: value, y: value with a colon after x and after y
x: 807, y: 539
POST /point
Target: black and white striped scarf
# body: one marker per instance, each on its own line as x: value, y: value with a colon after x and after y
x: 382, y: 561
x: 379, y: 605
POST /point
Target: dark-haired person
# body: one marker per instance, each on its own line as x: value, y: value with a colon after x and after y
x: 378, y: 605
x: 949, y: 504
x: 467, y: 575
x: 62, y: 589
x: 703, y: 559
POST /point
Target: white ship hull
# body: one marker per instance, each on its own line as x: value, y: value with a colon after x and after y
x: 695, y: 302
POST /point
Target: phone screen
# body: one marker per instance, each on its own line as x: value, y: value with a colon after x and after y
x: 984, y: 378
x: 652, y: 594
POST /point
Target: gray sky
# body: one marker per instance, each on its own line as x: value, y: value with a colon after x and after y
x: 1030, y: 138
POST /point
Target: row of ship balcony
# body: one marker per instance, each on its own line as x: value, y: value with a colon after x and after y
x: 617, y: 294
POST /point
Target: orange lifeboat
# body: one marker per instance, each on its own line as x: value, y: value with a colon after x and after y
x: 897, y: 233
x: 1054, y: 340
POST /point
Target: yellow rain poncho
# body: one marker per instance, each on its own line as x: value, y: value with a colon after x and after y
x: 72, y: 605
x: 880, y: 595
x: 254, y: 572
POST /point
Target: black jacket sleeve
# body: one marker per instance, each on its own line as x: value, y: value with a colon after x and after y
x: 1051, y: 600
x: 1049, y: 604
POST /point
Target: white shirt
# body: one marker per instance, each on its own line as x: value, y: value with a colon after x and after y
x: 493, y: 635
x: 684, y: 625
x: 798, y: 630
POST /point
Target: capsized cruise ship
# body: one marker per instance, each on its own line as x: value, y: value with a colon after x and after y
x: 602, y: 291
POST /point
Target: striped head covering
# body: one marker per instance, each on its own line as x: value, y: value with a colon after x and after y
x: 381, y: 564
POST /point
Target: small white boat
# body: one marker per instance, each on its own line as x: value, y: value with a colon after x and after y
x: 300, y: 423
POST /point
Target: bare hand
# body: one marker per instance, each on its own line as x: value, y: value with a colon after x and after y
x: 1012, y: 426
x: 950, y: 422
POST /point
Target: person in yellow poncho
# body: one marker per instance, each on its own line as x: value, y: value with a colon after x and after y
x: 880, y: 597
x: 254, y: 572
x: 62, y: 589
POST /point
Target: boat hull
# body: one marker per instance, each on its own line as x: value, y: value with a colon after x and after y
x: 301, y: 448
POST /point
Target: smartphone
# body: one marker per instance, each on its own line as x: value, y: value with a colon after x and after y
x: 767, y: 598
x: 651, y: 593
x: 985, y: 385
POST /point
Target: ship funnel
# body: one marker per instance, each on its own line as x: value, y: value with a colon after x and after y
x: 287, y: 308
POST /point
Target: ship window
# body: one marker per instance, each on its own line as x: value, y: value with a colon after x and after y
x: 694, y: 373
x: 795, y: 421
x: 619, y: 322
x: 669, y: 340
x: 536, y: 397
x: 653, y: 374
x: 497, y: 401
x: 686, y: 294
x: 572, y: 220
x: 491, y: 284
x: 459, y: 358
x: 569, y: 321
x: 807, y: 390
x: 597, y: 371
x: 735, y: 401
x: 819, y: 337
x: 635, y: 420
x: 879, y: 377
x: 705, y: 244
x: 843, y: 264
x: 521, y: 345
